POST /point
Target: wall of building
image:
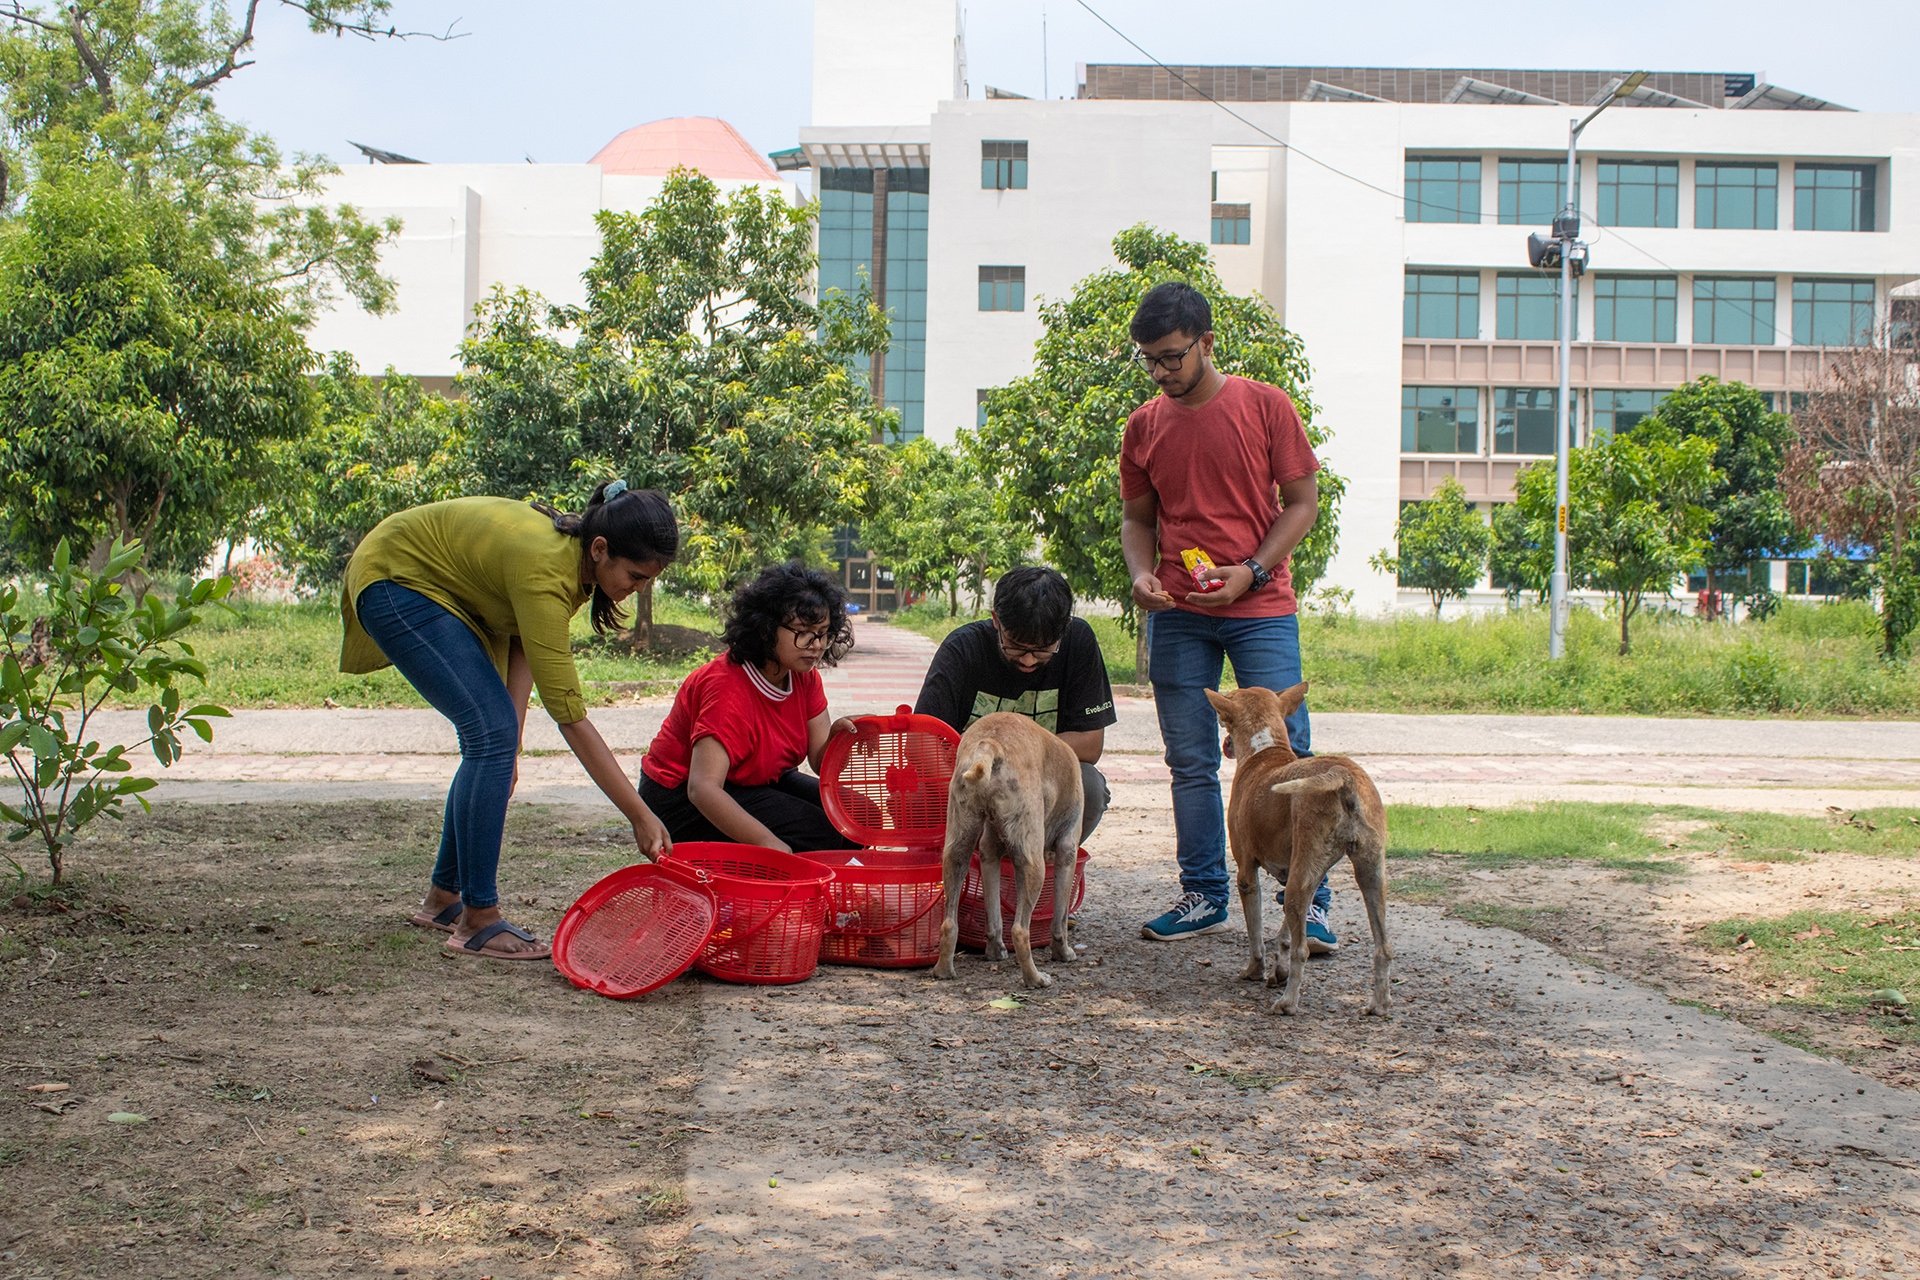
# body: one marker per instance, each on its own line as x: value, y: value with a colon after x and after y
x: 878, y: 62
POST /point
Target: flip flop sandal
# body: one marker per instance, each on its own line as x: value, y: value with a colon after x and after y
x: 444, y: 922
x: 476, y: 946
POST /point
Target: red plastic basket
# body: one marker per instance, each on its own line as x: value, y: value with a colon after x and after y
x: 885, y: 785
x: 634, y: 930
x: 973, y: 911
x: 771, y: 914
x: 886, y: 908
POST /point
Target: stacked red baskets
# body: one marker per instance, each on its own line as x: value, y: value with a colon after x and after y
x: 886, y: 786
x: 771, y: 912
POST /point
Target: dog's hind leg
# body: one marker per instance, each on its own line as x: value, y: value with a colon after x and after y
x: 1030, y: 871
x: 1370, y: 870
x: 963, y: 836
x: 1247, y: 881
x: 1064, y: 853
x: 991, y: 851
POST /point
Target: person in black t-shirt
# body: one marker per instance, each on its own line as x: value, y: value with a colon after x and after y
x: 1035, y: 658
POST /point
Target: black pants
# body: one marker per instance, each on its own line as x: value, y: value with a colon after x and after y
x: 789, y: 807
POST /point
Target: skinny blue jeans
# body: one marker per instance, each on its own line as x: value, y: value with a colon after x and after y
x: 1185, y: 652
x: 446, y: 662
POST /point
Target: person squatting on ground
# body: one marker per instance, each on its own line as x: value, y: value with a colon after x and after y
x: 471, y: 601
x: 1034, y: 658
x: 1220, y: 465
x: 725, y: 764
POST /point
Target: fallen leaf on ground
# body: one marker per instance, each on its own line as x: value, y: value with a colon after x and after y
x: 126, y: 1117
x: 49, y: 1087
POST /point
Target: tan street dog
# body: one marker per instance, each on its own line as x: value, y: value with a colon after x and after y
x: 1297, y: 818
x: 1016, y: 794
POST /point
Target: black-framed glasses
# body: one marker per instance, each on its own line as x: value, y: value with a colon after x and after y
x: 1012, y: 650
x: 1171, y: 362
x: 808, y: 639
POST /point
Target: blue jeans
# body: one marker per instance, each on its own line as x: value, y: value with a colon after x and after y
x: 1184, y: 659
x: 446, y: 662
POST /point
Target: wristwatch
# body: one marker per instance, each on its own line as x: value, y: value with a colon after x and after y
x: 1261, y: 575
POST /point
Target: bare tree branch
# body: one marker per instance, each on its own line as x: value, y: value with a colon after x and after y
x: 102, y: 78
x: 14, y: 11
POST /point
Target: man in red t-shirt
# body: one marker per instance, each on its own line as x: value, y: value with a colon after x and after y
x: 1219, y: 464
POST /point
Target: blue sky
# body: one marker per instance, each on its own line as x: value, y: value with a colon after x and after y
x: 553, y: 81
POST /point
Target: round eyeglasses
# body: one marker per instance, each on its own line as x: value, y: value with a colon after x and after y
x: 1171, y: 361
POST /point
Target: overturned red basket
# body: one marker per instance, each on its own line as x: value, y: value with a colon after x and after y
x: 636, y: 929
x: 885, y: 785
x: 771, y: 911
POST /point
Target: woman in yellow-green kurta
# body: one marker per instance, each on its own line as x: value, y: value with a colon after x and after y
x: 471, y: 601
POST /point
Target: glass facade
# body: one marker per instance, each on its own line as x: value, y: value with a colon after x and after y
x: 1634, y: 308
x: 1003, y: 165
x: 1833, y: 197
x: 1443, y: 189
x: 1616, y: 410
x: 1832, y: 313
x: 1439, y: 420
x: 1639, y: 193
x: 1232, y: 224
x: 850, y: 200
x: 1733, y: 311
x: 1525, y: 419
x: 1003, y: 288
x: 1736, y: 197
x: 1532, y: 191
x: 1441, y: 304
x: 1526, y: 306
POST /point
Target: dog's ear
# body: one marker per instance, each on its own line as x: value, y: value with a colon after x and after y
x: 1222, y: 705
x: 1290, y: 699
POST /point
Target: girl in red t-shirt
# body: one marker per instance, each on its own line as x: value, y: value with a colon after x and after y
x: 726, y: 762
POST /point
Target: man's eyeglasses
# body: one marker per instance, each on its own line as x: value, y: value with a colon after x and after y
x: 1026, y: 650
x: 1171, y: 362
x: 807, y: 639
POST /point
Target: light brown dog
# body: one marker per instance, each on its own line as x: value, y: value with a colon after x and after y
x: 1297, y: 818
x: 1015, y: 793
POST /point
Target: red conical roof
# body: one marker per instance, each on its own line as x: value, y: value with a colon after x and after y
x: 714, y: 147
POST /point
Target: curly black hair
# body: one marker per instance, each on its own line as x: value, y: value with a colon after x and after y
x: 784, y: 594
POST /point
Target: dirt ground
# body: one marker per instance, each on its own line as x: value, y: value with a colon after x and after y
x: 324, y: 1095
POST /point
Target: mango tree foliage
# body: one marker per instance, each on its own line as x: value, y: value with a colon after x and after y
x: 699, y: 365
x: 143, y: 383
x: 379, y: 445
x: 936, y: 522
x: 1052, y: 438
x: 1440, y: 545
x: 1636, y: 518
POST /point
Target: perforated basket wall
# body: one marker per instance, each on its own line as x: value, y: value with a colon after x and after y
x: 886, y: 908
x: 973, y: 914
x: 771, y: 911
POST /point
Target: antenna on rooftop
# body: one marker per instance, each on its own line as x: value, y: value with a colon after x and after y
x: 1044, y: 91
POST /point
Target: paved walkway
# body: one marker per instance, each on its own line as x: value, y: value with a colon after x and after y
x: 1755, y: 764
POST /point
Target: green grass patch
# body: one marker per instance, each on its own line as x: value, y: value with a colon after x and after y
x: 1499, y: 915
x: 1777, y: 837
x: 1845, y: 962
x: 1616, y: 835
x: 288, y: 655
x: 1805, y: 660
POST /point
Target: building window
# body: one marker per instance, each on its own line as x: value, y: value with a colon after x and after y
x: 1524, y: 419
x: 1003, y: 288
x: 1233, y: 224
x: 1003, y: 166
x: 980, y: 406
x: 1833, y: 197
x: 1532, y: 191
x: 1733, y: 312
x: 1615, y: 411
x: 1439, y: 420
x: 1443, y: 189
x: 1526, y: 307
x: 1832, y: 313
x: 1634, y: 308
x: 1639, y: 193
x: 1736, y: 197
x: 1441, y: 304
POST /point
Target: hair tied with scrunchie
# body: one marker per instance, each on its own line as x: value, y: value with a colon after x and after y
x: 613, y: 490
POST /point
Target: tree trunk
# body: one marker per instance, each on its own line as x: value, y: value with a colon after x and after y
x: 1142, y: 674
x: 642, y: 635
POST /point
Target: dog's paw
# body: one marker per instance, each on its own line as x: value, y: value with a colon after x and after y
x: 1254, y: 971
x: 944, y: 970
x: 1038, y: 981
x: 1283, y: 1006
x: 1377, y: 1011
x: 996, y: 950
x: 1062, y: 953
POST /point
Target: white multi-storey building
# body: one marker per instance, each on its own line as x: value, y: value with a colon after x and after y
x: 1735, y: 228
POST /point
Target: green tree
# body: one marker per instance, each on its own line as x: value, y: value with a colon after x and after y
x: 380, y: 445
x: 698, y: 365
x: 934, y: 520
x: 1440, y: 544
x: 1052, y: 438
x: 142, y: 382
x: 1750, y: 519
x: 1635, y: 519
x: 1852, y: 473
x: 1513, y: 560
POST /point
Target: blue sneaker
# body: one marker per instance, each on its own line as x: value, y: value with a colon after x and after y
x: 1189, y: 917
x: 1320, y: 937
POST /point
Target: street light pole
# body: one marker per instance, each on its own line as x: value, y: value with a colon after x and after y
x: 1566, y: 229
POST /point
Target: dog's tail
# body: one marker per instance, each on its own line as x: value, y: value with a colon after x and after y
x: 1321, y: 782
x: 976, y: 773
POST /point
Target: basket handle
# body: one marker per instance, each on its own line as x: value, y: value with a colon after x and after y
x: 938, y: 899
x: 741, y: 939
